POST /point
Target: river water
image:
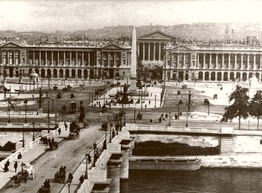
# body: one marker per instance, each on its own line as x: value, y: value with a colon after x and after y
x: 201, y: 181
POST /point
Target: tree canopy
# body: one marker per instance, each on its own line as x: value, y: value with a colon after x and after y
x: 240, y: 106
x: 255, y: 106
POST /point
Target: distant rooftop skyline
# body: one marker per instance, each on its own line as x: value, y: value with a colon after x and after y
x: 72, y: 15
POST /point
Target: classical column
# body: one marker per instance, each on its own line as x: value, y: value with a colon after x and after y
x: 83, y: 59
x: 89, y: 59
x: 260, y: 64
x: 52, y: 58
x: 64, y: 61
x: 70, y: 58
x: 45, y: 58
x: 216, y: 63
x: 40, y: 58
x: 248, y: 66
x: 204, y: 60
x: 148, y: 49
x: 254, y: 63
x: 210, y: 62
x: 76, y: 58
x: 58, y: 58
x: 235, y: 61
x: 108, y: 58
x: 229, y: 62
x: 33, y: 57
x: 8, y: 57
x: 197, y: 61
x: 223, y: 61
x: 177, y: 60
x: 114, y: 59
x: 159, y: 51
x: 144, y: 47
x: 184, y: 61
x: 154, y: 53
x: 241, y: 62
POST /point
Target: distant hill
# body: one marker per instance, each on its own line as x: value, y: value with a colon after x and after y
x: 198, y: 31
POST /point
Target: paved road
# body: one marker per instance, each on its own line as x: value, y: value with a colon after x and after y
x: 70, y: 153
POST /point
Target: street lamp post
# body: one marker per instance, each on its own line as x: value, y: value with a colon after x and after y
x: 110, y: 132
x: 87, y: 156
x: 169, y: 122
x: 180, y: 102
x: 68, y: 185
x: 25, y: 102
x: 95, y: 153
x: 155, y: 100
x: 188, y: 107
x: 134, y: 115
x: 33, y: 131
x: 187, y: 120
x: 9, y: 118
x: 208, y: 108
x: 140, y: 93
x: 48, y: 117
x: 105, y: 142
x: 189, y: 101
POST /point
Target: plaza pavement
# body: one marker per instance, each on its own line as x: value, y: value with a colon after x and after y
x: 150, y: 101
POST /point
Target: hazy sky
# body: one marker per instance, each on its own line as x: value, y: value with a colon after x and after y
x: 51, y: 15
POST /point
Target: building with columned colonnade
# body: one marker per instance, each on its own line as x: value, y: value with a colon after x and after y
x: 65, y: 62
x: 150, y: 50
x: 212, y: 63
x: 175, y: 61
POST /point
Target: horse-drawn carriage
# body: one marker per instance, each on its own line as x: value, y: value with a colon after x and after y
x: 45, y: 188
x: 73, y: 135
x: 60, y: 175
x: 53, y: 145
x: 26, y: 173
x: 44, y: 140
x: 74, y: 131
x: 21, y: 176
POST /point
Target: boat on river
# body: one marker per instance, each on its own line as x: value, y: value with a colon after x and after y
x: 164, y: 163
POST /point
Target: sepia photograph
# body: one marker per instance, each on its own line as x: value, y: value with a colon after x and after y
x: 129, y: 96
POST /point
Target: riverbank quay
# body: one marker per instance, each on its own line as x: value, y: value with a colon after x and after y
x: 29, y: 153
x: 244, y: 161
x: 238, y: 148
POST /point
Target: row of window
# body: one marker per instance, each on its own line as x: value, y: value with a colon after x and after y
x: 214, y: 76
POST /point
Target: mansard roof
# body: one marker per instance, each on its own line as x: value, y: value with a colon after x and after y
x: 157, y: 35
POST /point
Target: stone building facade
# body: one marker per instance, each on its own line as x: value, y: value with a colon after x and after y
x: 150, y: 51
x: 157, y: 51
x: 212, y: 63
x: 65, y: 62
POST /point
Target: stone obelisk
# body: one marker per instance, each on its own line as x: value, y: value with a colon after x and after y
x: 133, y: 55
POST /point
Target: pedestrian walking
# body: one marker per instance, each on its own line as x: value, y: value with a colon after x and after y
x: 70, y: 177
x: 7, y: 163
x: 65, y: 126
x: 59, y: 131
x: 15, y: 166
x: 19, y: 156
x: 81, y: 179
